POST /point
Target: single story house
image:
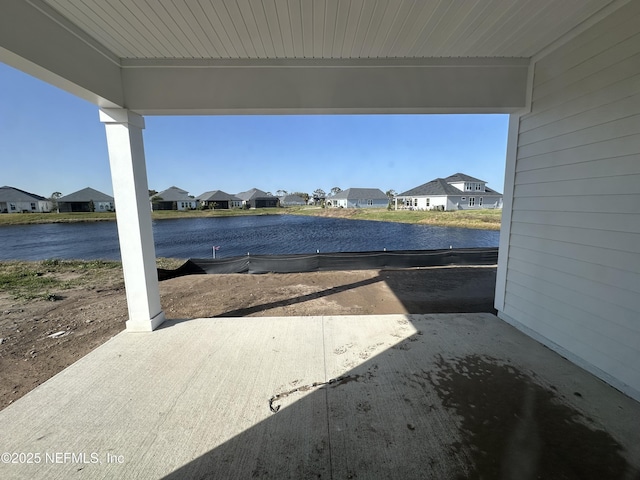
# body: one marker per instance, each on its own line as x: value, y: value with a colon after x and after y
x: 86, y: 200
x: 173, y: 198
x: 14, y: 200
x: 217, y: 199
x: 291, y: 200
x: 358, y: 198
x: 256, y: 198
x: 456, y: 192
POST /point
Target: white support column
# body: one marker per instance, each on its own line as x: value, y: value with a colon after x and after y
x: 133, y: 211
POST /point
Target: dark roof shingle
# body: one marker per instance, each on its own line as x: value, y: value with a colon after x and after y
x: 462, y: 177
x: 360, y: 193
x: 12, y: 194
x: 174, y: 194
x: 86, y: 195
x: 252, y: 194
x: 441, y: 186
x: 217, y: 196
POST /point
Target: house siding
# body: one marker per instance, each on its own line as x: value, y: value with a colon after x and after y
x: 364, y: 203
x: 19, y: 207
x: 573, y: 266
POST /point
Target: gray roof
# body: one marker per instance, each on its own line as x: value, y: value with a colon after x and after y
x: 435, y: 187
x: 441, y: 187
x: 217, y: 196
x: 252, y: 194
x: 12, y: 194
x: 461, y: 177
x: 360, y: 193
x: 292, y: 198
x: 174, y: 194
x: 86, y: 195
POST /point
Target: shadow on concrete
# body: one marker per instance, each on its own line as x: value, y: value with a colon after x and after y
x: 413, y: 412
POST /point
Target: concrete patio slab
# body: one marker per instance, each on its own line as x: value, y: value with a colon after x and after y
x: 391, y: 396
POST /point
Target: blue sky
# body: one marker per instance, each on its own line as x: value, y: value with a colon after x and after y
x: 52, y: 141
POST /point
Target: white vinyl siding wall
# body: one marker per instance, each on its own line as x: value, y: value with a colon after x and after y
x: 573, y: 271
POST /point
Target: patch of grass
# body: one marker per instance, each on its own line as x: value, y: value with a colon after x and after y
x: 37, y: 218
x: 481, y: 219
x: 233, y: 212
x: 41, y: 280
x: 169, y: 263
x: 24, y: 282
x: 33, y: 218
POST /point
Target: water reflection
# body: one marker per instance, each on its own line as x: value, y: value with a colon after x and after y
x: 273, y: 234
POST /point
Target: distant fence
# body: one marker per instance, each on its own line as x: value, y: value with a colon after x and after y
x: 320, y: 262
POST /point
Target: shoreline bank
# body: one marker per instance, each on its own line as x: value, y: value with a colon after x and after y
x: 476, y: 219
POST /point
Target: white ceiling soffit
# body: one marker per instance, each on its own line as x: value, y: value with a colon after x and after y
x: 322, y: 29
x: 289, y: 56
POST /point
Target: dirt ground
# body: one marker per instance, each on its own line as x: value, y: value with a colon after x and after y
x: 39, y: 338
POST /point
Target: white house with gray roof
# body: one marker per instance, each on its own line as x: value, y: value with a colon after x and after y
x: 456, y: 192
x: 173, y: 198
x: 358, y: 198
x: 14, y: 200
x: 217, y: 199
x: 86, y: 200
x: 256, y: 198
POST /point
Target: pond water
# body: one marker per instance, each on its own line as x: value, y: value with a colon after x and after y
x: 270, y: 234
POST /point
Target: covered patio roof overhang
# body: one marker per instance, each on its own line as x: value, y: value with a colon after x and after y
x: 548, y: 63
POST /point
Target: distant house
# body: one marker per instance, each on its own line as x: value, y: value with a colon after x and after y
x: 217, y: 199
x: 86, y: 200
x: 316, y: 200
x: 358, y: 198
x: 255, y: 198
x: 14, y: 200
x: 457, y: 192
x: 173, y: 198
x: 291, y: 200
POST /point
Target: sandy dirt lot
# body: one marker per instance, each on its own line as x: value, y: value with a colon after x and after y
x: 39, y: 338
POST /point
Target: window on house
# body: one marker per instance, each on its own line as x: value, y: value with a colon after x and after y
x: 369, y: 202
x: 480, y: 201
x: 415, y: 202
x: 12, y: 206
x: 33, y: 206
x: 472, y: 201
x: 463, y: 198
x: 467, y: 186
x: 478, y: 186
x: 428, y: 202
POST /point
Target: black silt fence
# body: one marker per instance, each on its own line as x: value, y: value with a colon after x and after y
x: 320, y: 262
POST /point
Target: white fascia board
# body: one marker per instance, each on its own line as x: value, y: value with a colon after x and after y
x: 284, y: 87
x: 37, y: 41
